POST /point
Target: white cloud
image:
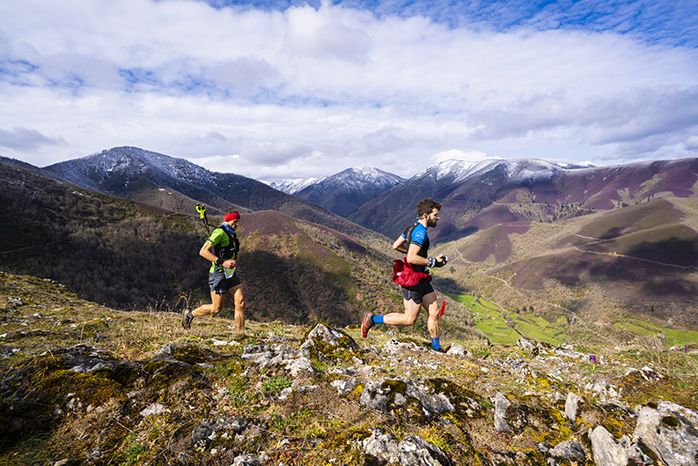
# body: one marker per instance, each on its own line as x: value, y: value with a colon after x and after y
x: 23, y: 139
x: 308, y: 92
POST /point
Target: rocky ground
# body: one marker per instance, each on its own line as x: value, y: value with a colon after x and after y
x: 84, y: 384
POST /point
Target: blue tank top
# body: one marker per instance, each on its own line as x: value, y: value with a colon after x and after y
x: 419, y: 237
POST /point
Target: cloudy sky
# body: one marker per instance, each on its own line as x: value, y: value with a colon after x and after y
x: 294, y: 89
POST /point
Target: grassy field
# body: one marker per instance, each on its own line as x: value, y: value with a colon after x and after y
x: 505, y: 327
x: 673, y: 336
x: 489, y: 320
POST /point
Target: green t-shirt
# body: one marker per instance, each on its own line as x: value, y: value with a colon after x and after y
x: 220, y: 238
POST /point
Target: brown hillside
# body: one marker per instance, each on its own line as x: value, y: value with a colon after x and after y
x: 639, y: 217
x: 130, y: 256
x: 671, y: 244
x: 493, y: 241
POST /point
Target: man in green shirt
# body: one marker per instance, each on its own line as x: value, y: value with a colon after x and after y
x: 221, y: 249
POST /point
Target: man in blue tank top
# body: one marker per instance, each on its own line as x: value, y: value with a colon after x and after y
x: 414, y: 242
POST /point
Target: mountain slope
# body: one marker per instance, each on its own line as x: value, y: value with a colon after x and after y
x: 130, y: 255
x: 641, y: 259
x: 132, y: 173
x: 346, y: 191
x: 521, y: 190
x: 85, y: 384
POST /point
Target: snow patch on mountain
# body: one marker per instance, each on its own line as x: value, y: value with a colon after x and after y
x: 517, y: 170
x: 458, y: 170
x: 129, y: 163
x: 294, y: 185
x: 359, y: 178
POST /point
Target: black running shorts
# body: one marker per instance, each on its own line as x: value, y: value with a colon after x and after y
x: 416, y: 293
x: 219, y: 284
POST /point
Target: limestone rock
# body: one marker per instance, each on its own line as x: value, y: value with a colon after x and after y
x: 415, y: 451
x: 571, y: 406
x: 386, y: 394
x: 532, y: 347
x: 671, y: 431
x: 248, y: 459
x: 568, y: 450
x: 278, y: 355
x: 606, y: 392
x: 647, y: 373
x: 344, y: 386
x: 508, y: 417
x: 457, y: 350
x: 609, y: 453
x: 285, y: 393
x: 381, y: 447
x: 224, y: 427
x: 395, y: 346
x: 501, y: 404
x: 154, y: 409
x: 268, y: 355
x: 325, y: 342
x: 297, y: 366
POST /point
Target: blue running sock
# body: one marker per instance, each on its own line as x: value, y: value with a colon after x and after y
x: 377, y: 319
x: 435, y: 343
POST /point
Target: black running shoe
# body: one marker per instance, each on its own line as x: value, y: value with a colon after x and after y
x: 187, y: 317
x: 366, y: 324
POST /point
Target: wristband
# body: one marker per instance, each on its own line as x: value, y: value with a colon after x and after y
x: 431, y: 262
x: 220, y: 261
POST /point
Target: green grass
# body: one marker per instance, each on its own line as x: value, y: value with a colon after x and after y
x: 505, y: 328
x: 489, y: 320
x: 673, y: 336
x: 493, y: 323
x: 539, y: 329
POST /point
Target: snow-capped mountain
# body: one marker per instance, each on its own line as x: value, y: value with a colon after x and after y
x: 141, y: 175
x: 344, y: 192
x: 455, y: 171
x: 294, y: 185
x: 125, y: 165
x: 467, y: 188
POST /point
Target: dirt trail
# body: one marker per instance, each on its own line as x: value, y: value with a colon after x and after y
x: 615, y: 254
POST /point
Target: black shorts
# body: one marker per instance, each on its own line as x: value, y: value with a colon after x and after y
x: 416, y: 293
x: 219, y: 284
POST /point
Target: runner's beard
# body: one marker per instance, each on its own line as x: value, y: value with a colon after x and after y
x: 431, y: 223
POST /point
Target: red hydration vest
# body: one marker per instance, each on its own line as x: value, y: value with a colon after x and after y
x: 404, y: 275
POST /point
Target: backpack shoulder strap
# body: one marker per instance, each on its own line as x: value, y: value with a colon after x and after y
x: 408, y: 234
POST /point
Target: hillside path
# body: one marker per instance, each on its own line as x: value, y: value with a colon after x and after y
x: 615, y: 254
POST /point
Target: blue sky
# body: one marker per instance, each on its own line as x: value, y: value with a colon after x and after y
x: 671, y: 23
x: 296, y: 89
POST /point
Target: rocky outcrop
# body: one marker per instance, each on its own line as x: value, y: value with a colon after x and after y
x: 609, y: 453
x: 508, y: 417
x: 571, y: 406
x: 278, y: 355
x: 280, y: 395
x: 568, y: 450
x: 415, y: 451
x: 329, y: 345
x: 381, y: 448
x: 392, y: 396
x: 671, y: 431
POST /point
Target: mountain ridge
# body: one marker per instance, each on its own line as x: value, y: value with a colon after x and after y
x: 344, y: 192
